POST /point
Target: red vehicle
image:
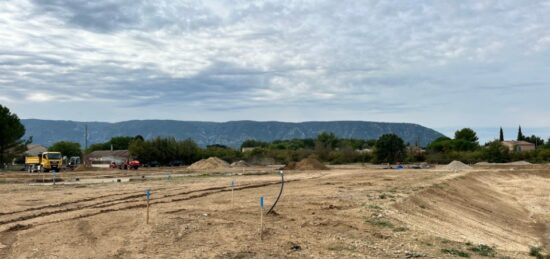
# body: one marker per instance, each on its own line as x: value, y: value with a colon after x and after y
x: 134, y: 164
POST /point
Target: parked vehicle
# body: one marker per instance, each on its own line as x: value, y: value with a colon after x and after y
x: 134, y: 164
x: 151, y: 164
x: 176, y: 163
x: 44, y: 162
x: 74, y: 162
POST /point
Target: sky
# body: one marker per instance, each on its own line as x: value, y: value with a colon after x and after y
x: 442, y: 64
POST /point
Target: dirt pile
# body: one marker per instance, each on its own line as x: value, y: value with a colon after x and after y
x: 240, y: 163
x: 510, y: 163
x: 482, y: 208
x: 306, y: 164
x: 209, y: 164
x: 519, y: 163
x: 456, y: 166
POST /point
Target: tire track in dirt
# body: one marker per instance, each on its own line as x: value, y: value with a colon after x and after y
x: 66, y: 203
x: 46, y: 213
x: 129, y: 199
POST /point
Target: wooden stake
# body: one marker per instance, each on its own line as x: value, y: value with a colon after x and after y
x: 147, y: 212
x: 261, y: 217
x: 261, y: 224
x: 232, y: 195
x: 148, y: 195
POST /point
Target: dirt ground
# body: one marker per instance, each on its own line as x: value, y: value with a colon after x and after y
x: 348, y: 211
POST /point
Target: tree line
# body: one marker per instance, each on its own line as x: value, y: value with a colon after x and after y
x: 326, y: 147
x: 466, y: 148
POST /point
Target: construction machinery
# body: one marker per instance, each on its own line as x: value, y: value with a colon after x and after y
x: 44, y: 162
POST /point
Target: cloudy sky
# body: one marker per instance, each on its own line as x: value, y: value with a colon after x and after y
x: 442, y: 64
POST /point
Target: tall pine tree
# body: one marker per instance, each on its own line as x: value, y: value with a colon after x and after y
x: 520, y: 134
x: 501, y: 138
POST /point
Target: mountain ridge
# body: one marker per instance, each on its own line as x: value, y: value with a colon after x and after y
x: 230, y: 133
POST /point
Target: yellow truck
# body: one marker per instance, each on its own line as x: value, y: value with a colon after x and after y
x: 44, y: 162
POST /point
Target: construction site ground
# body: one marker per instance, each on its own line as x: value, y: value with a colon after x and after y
x: 347, y: 211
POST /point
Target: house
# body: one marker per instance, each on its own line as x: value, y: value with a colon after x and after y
x: 35, y: 150
x: 518, y: 146
x: 104, y: 158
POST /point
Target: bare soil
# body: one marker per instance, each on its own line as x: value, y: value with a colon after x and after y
x: 348, y: 211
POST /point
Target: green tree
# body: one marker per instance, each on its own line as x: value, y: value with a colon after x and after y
x: 140, y: 150
x: 253, y: 143
x: 328, y: 140
x: 495, y: 152
x: 441, y: 144
x: 324, y: 144
x: 466, y: 134
x: 520, y: 134
x: 538, y: 141
x: 67, y: 148
x: 501, y: 136
x: 188, y: 151
x: 389, y: 148
x: 11, y: 132
x: 120, y: 142
x: 164, y: 150
x: 98, y: 146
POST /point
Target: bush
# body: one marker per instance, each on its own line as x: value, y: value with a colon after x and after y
x: 544, y: 155
x: 455, y: 252
x: 389, y: 148
x: 68, y: 149
x: 484, y: 250
x: 495, y: 152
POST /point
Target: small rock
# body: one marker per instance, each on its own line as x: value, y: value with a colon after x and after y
x: 295, y: 247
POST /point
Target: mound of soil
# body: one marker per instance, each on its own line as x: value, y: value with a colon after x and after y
x: 510, y: 163
x: 210, y: 163
x: 482, y: 208
x: 519, y: 163
x: 240, y: 163
x: 456, y: 166
x: 306, y: 164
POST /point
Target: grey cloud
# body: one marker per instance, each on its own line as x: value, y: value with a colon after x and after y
x: 108, y: 16
x: 389, y: 57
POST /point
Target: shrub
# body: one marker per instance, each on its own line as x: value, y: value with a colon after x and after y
x: 456, y: 252
x: 483, y: 250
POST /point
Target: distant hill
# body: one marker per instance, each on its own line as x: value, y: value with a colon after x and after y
x: 232, y: 133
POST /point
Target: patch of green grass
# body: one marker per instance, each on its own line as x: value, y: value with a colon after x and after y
x: 484, y: 250
x: 375, y: 207
x: 340, y: 247
x: 381, y: 223
x: 455, y: 252
x: 413, y: 254
x: 535, y: 250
